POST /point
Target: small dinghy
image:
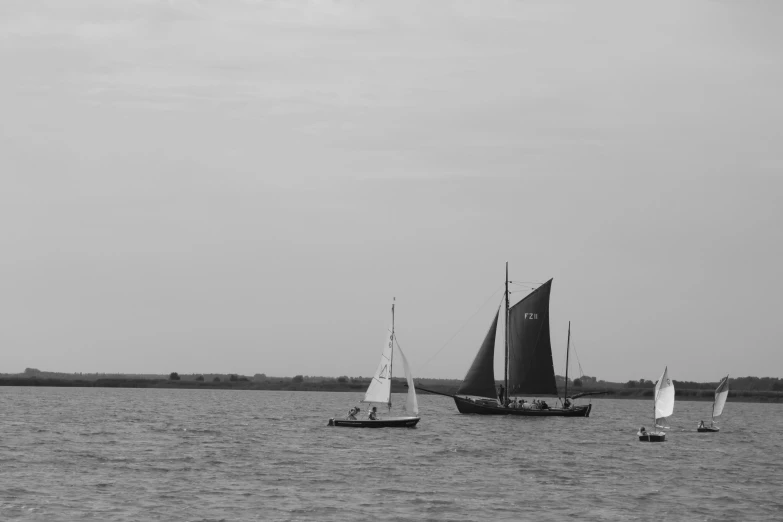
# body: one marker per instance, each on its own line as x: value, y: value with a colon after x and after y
x: 663, y: 406
x: 721, y: 394
x: 379, y: 392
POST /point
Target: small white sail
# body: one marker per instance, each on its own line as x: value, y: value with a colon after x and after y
x: 721, y: 394
x: 411, y: 404
x: 664, y: 396
x: 380, y: 386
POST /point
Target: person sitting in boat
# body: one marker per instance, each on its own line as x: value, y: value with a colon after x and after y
x: 374, y: 413
x: 352, y: 412
x: 701, y: 424
x: 567, y: 403
x: 544, y: 405
x: 642, y: 431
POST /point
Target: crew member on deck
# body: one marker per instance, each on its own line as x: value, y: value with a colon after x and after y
x: 352, y: 413
x: 500, y: 393
x: 374, y: 413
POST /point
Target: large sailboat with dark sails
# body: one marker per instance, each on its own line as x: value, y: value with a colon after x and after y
x: 528, y: 368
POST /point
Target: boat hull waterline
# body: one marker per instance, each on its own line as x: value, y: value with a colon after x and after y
x: 468, y: 406
x: 652, y: 437
x: 708, y: 429
x: 398, y: 422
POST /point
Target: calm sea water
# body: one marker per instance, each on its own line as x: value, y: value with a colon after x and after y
x: 141, y: 454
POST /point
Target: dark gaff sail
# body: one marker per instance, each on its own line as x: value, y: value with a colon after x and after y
x: 530, y: 367
x: 480, y: 380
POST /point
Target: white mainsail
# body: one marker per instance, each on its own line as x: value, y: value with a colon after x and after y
x: 411, y: 404
x: 721, y: 394
x: 664, y: 396
x: 380, y: 386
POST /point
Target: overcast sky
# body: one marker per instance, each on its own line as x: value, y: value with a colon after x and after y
x: 243, y: 186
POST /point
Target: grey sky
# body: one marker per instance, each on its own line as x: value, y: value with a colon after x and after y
x: 201, y: 186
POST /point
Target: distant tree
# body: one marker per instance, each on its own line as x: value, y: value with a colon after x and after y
x: 342, y: 379
x: 259, y: 377
x: 216, y: 379
x: 577, y: 383
x: 31, y: 371
x: 630, y: 384
x: 174, y: 376
x: 200, y: 378
x: 777, y: 386
x: 233, y: 377
x: 298, y: 378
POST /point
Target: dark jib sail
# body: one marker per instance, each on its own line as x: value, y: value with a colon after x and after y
x: 480, y: 380
x: 530, y: 368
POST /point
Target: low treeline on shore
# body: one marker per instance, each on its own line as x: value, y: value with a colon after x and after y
x: 747, y: 389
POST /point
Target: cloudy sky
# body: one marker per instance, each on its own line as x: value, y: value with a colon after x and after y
x: 243, y: 186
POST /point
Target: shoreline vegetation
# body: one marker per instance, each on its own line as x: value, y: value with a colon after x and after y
x: 743, y: 389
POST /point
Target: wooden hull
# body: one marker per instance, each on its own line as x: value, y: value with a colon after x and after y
x: 652, y: 437
x: 399, y: 422
x: 708, y: 429
x: 467, y: 406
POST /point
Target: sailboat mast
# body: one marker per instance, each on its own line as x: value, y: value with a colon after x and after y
x: 568, y: 349
x: 391, y: 356
x: 505, y: 371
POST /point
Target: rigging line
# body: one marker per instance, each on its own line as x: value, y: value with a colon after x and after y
x: 525, y: 283
x: 578, y: 362
x: 462, y: 328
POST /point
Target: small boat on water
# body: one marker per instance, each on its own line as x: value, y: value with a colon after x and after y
x: 528, y: 371
x: 663, y: 406
x: 379, y: 392
x: 721, y: 394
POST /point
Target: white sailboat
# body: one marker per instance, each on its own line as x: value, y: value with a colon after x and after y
x: 663, y: 406
x: 379, y: 391
x: 721, y: 394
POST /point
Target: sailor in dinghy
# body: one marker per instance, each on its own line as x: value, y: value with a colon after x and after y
x: 721, y: 394
x: 663, y: 406
x: 379, y: 392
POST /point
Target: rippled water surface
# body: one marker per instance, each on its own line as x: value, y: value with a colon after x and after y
x: 148, y: 454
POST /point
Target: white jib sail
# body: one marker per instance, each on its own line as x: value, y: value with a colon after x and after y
x: 411, y: 404
x: 380, y: 387
x: 664, y: 396
x: 721, y: 394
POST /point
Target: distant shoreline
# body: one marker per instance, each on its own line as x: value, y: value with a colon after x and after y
x: 398, y: 386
